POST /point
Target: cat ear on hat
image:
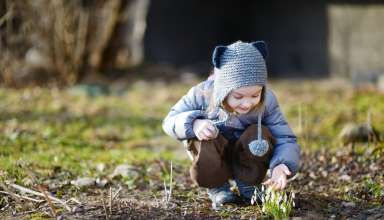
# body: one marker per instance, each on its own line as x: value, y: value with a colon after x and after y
x: 217, y: 52
x: 262, y: 47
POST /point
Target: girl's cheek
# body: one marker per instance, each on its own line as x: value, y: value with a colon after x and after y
x: 232, y: 102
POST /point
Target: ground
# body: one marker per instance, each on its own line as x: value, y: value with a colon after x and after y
x: 51, y: 137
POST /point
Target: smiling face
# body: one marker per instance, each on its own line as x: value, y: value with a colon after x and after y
x: 244, y: 99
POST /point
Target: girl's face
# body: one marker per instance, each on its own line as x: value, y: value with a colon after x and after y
x: 244, y: 99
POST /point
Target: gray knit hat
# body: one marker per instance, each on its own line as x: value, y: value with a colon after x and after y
x: 237, y: 65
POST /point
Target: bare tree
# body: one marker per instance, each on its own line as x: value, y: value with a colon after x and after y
x: 67, y: 39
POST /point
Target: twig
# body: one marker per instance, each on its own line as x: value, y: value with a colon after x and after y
x: 5, y: 207
x: 105, y: 209
x: 48, y: 201
x: 110, y: 200
x: 117, y: 193
x: 293, y: 178
x: 26, y: 212
x: 22, y: 197
x: 10, y: 192
x: 170, y: 186
x: 73, y: 200
x: 26, y: 190
x: 5, y: 17
x: 168, y: 192
x: 165, y: 192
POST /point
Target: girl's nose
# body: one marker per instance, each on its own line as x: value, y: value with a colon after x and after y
x: 246, y: 104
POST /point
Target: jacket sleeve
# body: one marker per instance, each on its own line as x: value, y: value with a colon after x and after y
x: 286, y: 150
x: 179, y: 121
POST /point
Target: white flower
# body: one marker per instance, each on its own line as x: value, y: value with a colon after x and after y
x: 279, y: 199
x: 293, y: 195
x: 263, y: 209
x: 293, y: 203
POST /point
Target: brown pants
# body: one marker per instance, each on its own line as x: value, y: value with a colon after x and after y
x: 216, y: 161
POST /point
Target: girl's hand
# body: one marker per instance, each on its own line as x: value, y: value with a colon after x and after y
x: 279, y: 177
x: 204, y: 129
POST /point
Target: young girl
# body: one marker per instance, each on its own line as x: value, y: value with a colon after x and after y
x: 234, y: 127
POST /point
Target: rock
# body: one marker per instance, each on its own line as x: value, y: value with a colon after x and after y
x: 101, y: 182
x: 125, y: 170
x: 83, y: 182
x: 60, y: 217
x: 312, y: 175
x: 349, y: 204
x: 324, y: 173
x: 352, y: 133
x: 345, y: 177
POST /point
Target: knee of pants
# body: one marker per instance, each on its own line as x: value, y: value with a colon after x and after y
x: 209, y: 169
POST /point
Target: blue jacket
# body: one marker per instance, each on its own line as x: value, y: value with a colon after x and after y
x: 179, y: 121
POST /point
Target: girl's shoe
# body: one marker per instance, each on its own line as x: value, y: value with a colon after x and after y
x: 222, y: 195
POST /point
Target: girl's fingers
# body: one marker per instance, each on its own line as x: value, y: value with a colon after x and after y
x: 274, y: 185
x: 268, y: 182
x: 208, y: 133
x: 211, y: 128
x: 280, y: 184
x: 283, y: 183
x: 213, y: 131
x: 286, y: 171
x: 202, y: 136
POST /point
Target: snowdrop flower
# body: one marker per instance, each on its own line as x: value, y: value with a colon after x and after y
x: 252, y: 200
x: 279, y: 199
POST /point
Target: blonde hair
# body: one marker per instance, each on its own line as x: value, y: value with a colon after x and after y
x: 226, y: 107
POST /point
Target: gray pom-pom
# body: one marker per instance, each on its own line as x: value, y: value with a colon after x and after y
x: 259, y: 147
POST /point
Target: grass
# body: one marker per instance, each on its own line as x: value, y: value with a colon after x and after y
x: 54, y: 134
x: 42, y: 129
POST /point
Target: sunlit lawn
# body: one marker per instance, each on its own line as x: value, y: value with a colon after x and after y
x: 59, y: 135
x: 42, y: 129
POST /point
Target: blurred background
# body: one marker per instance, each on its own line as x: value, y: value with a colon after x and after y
x: 85, y: 85
x: 67, y: 41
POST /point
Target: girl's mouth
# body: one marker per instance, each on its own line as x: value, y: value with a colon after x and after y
x: 243, y: 109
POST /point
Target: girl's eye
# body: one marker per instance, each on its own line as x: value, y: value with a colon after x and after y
x: 237, y: 97
x: 255, y: 96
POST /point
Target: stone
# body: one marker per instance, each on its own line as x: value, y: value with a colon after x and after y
x: 125, y: 170
x: 82, y: 182
x: 345, y: 177
x: 349, y: 204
